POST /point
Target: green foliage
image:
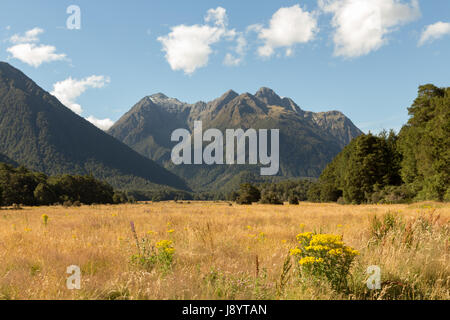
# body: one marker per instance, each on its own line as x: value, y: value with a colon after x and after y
x: 393, y: 194
x: 379, y: 228
x: 293, y: 199
x: 425, y: 144
x: 22, y: 186
x: 150, y: 256
x: 324, y: 256
x: 161, y: 194
x: 367, y: 164
x: 392, y: 169
x: 85, y: 189
x: 270, y: 197
x: 248, y: 194
x: 45, y: 194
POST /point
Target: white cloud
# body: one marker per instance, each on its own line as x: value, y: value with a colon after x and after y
x: 434, y: 31
x: 103, y: 124
x: 27, y: 50
x: 231, y: 60
x: 67, y: 91
x: 35, y: 55
x: 217, y: 16
x: 29, y: 36
x: 240, y: 49
x: 188, y: 48
x: 361, y: 26
x: 288, y: 26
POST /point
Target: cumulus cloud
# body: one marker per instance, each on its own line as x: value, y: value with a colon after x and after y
x: 35, y: 55
x: 188, y: 48
x: 361, y: 26
x: 67, y: 91
x: 29, y: 36
x: 27, y: 50
x: 240, y: 49
x: 217, y: 16
x: 434, y: 31
x: 288, y: 26
x: 103, y: 124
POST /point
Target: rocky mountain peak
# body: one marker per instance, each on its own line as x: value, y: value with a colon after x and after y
x: 265, y: 92
x: 159, y: 96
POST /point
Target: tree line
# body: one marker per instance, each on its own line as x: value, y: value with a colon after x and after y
x: 413, y: 165
x: 26, y: 187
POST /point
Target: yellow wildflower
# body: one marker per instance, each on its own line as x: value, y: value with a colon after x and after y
x: 169, y: 250
x: 310, y: 260
x: 164, y: 244
x: 335, y: 252
x: 317, y: 248
x: 304, y: 236
x: 326, y: 239
x: 296, y: 251
x: 45, y: 219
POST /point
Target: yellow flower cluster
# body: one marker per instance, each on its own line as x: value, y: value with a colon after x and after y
x: 326, y: 239
x: 317, y: 248
x: 321, y: 246
x: 45, y: 219
x: 169, y: 250
x: 310, y: 260
x: 324, y: 255
x: 164, y: 244
x: 304, y: 236
x: 295, y: 251
x: 335, y: 252
x: 351, y: 251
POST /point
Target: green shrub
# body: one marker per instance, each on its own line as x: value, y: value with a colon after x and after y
x: 324, y: 256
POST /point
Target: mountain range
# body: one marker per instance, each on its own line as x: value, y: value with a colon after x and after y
x: 39, y: 132
x: 308, y: 140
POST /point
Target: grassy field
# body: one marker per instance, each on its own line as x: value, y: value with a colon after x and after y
x: 222, y: 251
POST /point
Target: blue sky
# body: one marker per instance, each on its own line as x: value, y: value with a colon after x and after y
x: 365, y: 59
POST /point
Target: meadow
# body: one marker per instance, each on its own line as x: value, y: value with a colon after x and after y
x: 219, y: 250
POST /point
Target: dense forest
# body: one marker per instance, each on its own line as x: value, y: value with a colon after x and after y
x: 388, y: 168
x: 20, y: 186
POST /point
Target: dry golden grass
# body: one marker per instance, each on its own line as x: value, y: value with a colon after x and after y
x: 218, y: 248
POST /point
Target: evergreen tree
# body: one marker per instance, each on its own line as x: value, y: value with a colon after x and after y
x: 248, y: 194
x: 424, y: 143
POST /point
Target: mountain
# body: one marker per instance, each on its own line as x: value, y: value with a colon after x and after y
x: 37, y: 131
x: 308, y: 141
x: 5, y: 159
